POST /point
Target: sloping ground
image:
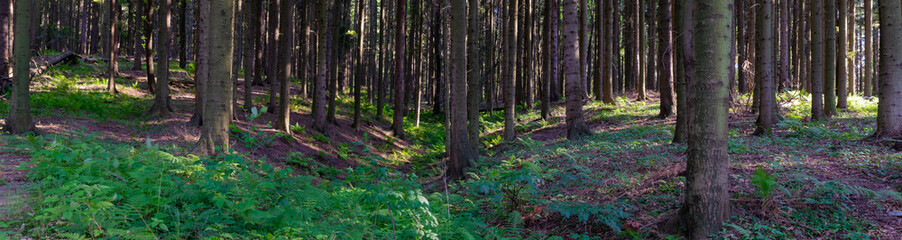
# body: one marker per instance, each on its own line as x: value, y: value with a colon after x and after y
x: 816, y: 180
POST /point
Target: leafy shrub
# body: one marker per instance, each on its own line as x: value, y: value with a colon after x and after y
x: 90, y: 189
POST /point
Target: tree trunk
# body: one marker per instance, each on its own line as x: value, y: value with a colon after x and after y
x: 5, y: 46
x: 20, y: 120
x: 461, y: 153
x: 361, y: 66
x: 112, y: 45
x: 889, y: 112
x: 597, y: 88
x: 319, y: 92
x: 509, y: 90
x: 214, y: 138
x: 183, y: 33
x: 286, y: 33
x: 706, y: 203
x: 665, y: 45
x: 609, y: 52
x: 201, y: 44
x: 474, y: 70
x: 548, y: 63
x: 252, y: 32
x: 136, y: 33
x: 650, y: 49
x: 684, y: 65
x: 764, y: 66
x: 640, y: 50
x: 868, y: 49
x: 817, y: 61
x: 161, y: 105
x: 841, y: 50
x: 830, y: 58
x: 784, y: 45
x: 272, y: 55
x: 576, y: 125
x: 400, y: 52
x: 148, y: 46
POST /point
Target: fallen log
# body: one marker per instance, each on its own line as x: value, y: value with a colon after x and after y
x: 68, y: 58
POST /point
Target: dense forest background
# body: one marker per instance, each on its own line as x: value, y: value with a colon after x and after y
x: 450, y: 119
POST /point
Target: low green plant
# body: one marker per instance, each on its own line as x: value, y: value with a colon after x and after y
x: 253, y: 137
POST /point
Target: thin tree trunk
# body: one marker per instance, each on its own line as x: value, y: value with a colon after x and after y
x: 764, y: 65
x: 830, y: 58
x: 136, y: 33
x: 148, y: 46
x: 286, y: 33
x: 510, y: 81
x: 161, y: 105
x: 361, y: 66
x: 547, y: 64
x: 684, y: 27
x: 252, y: 20
x: 112, y: 45
x: 202, y: 45
x: 868, y: 50
x: 817, y: 61
x: 665, y: 45
x: 319, y: 101
x: 841, y: 62
x: 183, y: 33
x: 5, y: 44
x: 609, y: 52
x: 400, y: 52
x: 474, y: 69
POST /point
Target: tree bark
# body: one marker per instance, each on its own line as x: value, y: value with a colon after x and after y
x: 817, y: 61
x: 842, y: 79
x: 136, y: 32
x: 609, y: 51
x: 509, y: 88
x: 5, y: 45
x: 706, y: 203
x: 830, y: 58
x: 161, y: 105
x: 684, y: 27
x: 214, y: 138
x: 764, y: 66
x: 201, y: 44
x: 252, y: 32
x: 665, y: 53
x: 286, y: 33
x: 868, y: 50
x: 19, y: 120
x: 576, y: 125
x: 889, y: 111
x: 319, y: 93
x: 112, y: 45
x: 148, y: 46
x: 545, y: 90
x: 474, y: 70
x: 461, y: 153
x: 400, y: 52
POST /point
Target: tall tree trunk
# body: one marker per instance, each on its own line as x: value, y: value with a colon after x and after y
x: 764, y: 66
x: 474, y: 70
x: 684, y: 28
x: 361, y: 65
x: 201, y: 45
x: 148, y: 46
x: 161, y: 105
x: 650, y: 49
x: 830, y: 58
x: 583, y: 47
x: 784, y: 17
x: 112, y: 44
x: 545, y: 90
x: 272, y: 48
x: 136, y: 33
x: 640, y: 50
x: 20, y: 120
x: 400, y: 52
x: 609, y: 52
x: 5, y: 46
x: 817, y: 61
x: 576, y: 125
x: 286, y: 33
x: 742, y: 45
x: 706, y: 203
x: 868, y: 49
x: 319, y: 101
x: 889, y: 112
x: 183, y: 33
x: 461, y: 153
x: 597, y: 88
x: 214, y: 137
x: 842, y: 90
x: 252, y: 32
x: 509, y: 90
x: 665, y: 45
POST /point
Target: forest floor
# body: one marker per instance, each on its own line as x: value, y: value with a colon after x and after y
x: 808, y: 180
